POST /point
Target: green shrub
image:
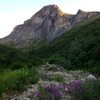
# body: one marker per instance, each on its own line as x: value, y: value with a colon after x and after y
x: 95, y: 69
x: 17, y: 65
x: 44, y: 94
x: 57, y: 59
x: 58, y: 78
x: 14, y: 58
x: 91, y: 91
x: 17, y: 80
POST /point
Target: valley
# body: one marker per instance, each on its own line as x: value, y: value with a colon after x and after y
x: 52, y: 56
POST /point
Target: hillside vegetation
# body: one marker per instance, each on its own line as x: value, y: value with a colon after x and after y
x: 17, y: 69
x: 78, y: 48
x: 14, y: 58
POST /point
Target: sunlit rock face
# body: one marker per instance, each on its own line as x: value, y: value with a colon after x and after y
x: 46, y: 25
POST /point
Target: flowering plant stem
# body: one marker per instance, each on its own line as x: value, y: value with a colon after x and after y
x: 53, y: 97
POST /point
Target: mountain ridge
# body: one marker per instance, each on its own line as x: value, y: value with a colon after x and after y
x: 78, y: 48
x: 46, y: 25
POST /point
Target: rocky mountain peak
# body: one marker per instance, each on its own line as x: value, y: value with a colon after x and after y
x: 49, y: 10
x: 46, y: 25
x: 80, y: 11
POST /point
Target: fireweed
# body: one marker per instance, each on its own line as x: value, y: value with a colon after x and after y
x: 50, y: 92
x: 79, y: 90
x: 75, y: 86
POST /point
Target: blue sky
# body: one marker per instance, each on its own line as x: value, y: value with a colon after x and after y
x: 14, y: 12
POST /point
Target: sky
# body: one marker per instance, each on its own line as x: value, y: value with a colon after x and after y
x: 15, y: 12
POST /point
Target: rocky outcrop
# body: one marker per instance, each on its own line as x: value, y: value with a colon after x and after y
x: 91, y: 77
x: 46, y: 25
x: 82, y: 16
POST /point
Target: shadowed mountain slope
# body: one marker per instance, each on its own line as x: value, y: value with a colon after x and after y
x: 77, y: 48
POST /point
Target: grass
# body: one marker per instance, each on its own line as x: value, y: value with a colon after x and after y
x: 56, y: 78
x: 17, y: 80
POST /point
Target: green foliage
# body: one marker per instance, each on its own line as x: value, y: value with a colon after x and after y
x: 15, y: 59
x: 44, y: 94
x: 16, y: 65
x: 17, y: 69
x: 92, y: 91
x: 17, y: 80
x: 58, y: 78
x: 57, y: 60
x: 95, y: 69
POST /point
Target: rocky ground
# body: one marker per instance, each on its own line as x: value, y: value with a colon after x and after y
x: 56, y: 75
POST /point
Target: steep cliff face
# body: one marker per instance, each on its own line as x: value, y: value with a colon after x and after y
x: 46, y: 25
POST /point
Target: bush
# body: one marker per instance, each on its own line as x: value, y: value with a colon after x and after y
x: 14, y: 58
x: 17, y: 65
x: 17, y: 80
x: 89, y: 90
x: 57, y: 59
x: 92, y: 90
x: 95, y: 70
x: 58, y: 78
x: 49, y: 92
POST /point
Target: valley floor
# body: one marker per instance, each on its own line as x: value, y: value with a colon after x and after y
x: 55, y: 83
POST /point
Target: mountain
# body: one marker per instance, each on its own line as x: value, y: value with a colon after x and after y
x: 79, y: 48
x: 46, y: 25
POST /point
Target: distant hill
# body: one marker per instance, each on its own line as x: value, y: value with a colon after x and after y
x: 45, y: 26
x: 79, y: 48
